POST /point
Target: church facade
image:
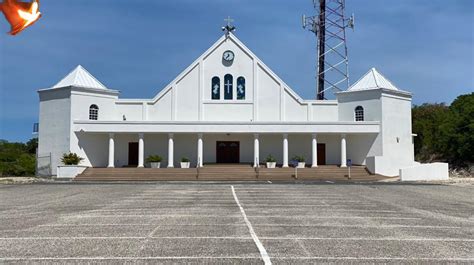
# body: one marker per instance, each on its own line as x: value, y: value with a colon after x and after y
x: 227, y: 107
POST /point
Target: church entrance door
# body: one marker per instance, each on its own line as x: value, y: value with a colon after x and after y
x: 227, y: 152
x: 133, y: 154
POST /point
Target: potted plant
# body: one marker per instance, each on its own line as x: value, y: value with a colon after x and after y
x: 71, y: 167
x: 300, y: 160
x: 185, y: 162
x: 71, y: 159
x: 271, y: 162
x: 154, y: 160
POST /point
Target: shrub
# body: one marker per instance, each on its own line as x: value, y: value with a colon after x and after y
x: 71, y: 159
x: 154, y: 159
x: 270, y: 159
x: 15, y: 159
x: 185, y: 159
x: 298, y: 158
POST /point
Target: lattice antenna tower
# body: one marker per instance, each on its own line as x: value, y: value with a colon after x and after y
x: 329, y: 25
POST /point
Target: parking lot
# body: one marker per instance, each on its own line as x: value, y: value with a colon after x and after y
x: 236, y: 223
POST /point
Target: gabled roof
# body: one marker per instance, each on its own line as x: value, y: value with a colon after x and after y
x: 80, y: 77
x: 220, y: 41
x: 372, y: 80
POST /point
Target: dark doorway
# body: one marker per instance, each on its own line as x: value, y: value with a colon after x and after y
x: 133, y: 154
x: 227, y: 152
x: 321, y: 154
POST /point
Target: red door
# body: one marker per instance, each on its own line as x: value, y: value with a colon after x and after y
x: 133, y: 154
x: 321, y: 154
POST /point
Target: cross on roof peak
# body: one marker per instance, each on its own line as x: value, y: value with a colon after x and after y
x: 229, y: 21
x: 229, y: 27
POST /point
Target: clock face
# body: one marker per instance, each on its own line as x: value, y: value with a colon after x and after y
x: 228, y: 56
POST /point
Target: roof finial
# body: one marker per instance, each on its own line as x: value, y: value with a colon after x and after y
x: 229, y: 27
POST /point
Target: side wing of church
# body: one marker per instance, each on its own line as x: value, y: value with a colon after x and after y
x: 227, y: 107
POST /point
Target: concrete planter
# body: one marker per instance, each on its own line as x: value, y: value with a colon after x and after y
x: 69, y: 172
x: 155, y: 164
x: 271, y: 164
x: 185, y: 164
x: 301, y: 164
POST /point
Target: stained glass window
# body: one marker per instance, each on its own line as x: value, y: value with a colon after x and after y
x: 241, y: 88
x: 228, y: 86
x: 216, y: 88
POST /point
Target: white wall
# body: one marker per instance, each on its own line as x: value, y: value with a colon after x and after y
x: 268, y: 97
x: 94, y: 148
x: 369, y: 100
x: 186, y: 93
x: 322, y: 111
x: 132, y: 111
x: 217, y: 111
x: 360, y: 146
x: 396, y: 129
x: 294, y: 111
x: 161, y: 110
x: 433, y: 171
x: 54, y: 125
x: 81, y: 101
x: 241, y: 66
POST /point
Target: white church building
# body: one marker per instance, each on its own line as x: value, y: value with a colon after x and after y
x: 227, y: 107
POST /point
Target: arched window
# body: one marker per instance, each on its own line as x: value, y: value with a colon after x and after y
x: 228, y: 86
x: 93, y: 112
x: 359, y: 113
x: 216, y: 88
x: 241, y: 87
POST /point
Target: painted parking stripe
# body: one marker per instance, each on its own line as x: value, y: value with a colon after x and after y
x: 263, y: 251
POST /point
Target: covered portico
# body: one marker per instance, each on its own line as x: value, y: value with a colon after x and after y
x: 256, y: 139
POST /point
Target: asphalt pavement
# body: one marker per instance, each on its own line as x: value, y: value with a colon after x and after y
x: 244, y: 223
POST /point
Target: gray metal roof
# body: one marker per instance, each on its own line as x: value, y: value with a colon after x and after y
x: 372, y: 80
x: 80, y: 77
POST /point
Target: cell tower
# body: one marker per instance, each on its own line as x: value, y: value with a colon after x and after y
x: 329, y: 25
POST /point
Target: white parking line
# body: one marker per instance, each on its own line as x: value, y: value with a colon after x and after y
x: 263, y: 251
x: 124, y: 258
x: 370, y: 239
x: 375, y: 258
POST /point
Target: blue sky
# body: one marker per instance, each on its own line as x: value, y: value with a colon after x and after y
x: 137, y: 47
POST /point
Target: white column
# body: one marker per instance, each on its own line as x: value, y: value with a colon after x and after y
x: 111, y: 150
x: 170, y: 150
x: 141, y: 150
x: 256, y: 151
x: 314, y: 151
x: 285, y: 150
x: 343, y: 151
x: 199, y: 155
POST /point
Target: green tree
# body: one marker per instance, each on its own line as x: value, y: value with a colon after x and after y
x: 457, y: 132
x: 31, y: 145
x: 445, y: 133
x: 17, y: 159
x: 426, y: 122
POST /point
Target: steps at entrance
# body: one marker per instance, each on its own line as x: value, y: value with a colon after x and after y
x: 226, y: 173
